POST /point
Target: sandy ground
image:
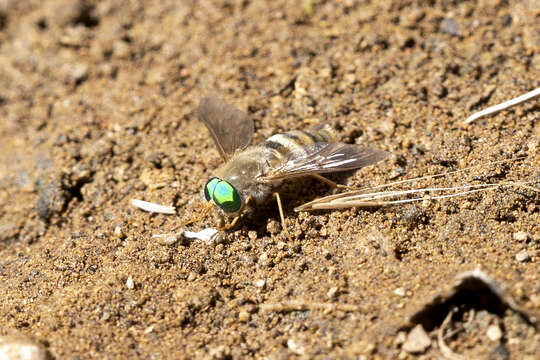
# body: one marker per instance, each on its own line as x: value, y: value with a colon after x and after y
x: 98, y: 104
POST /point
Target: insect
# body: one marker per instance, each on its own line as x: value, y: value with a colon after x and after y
x: 250, y: 174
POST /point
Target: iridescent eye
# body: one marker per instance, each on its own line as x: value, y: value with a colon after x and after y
x: 209, y: 188
x: 226, y: 197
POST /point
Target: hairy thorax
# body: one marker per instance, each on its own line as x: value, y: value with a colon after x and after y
x: 243, y: 170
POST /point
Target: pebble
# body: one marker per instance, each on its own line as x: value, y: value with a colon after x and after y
x: 21, y: 348
x: 118, y: 232
x: 522, y: 256
x: 273, y: 227
x: 52, y: 200
x: 400, y: 338
x: 244, y: 316
x: 252, y: 235
x: 130, y: 284
x: 520, y: 236
x: 494, y: 333
x: 264, y: 260
x: 450, y: 26
x: 332, y: 292
x: 417, y: 341
x: 79, y: 72
x: 295, y: 347
x: 400, y: 291
x: 121, y: 50
x: 167, y: 239
x: 261, y: 283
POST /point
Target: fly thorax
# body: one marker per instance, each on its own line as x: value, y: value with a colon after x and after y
x: 243, y: 170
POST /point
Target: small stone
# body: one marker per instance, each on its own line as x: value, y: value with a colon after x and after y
x: 52, y: 200
x: 219, y: 352
x: 281, y: 245
x: 184, y: 73
x: 118, y: 232
x: 332, y: 292
x: 121, y: 49
x: 261, y: 283
x: 494, y: 333
x: 79, y: 72
x: 21, y: 347
x: 400, y: 292
x: 156, y: 75
x: 252, y: 235
x: 168, y: 239
x: 264, y: 260
x: 295, y: 347
x: 244, y: 316
x: 535, y: 299
x: 273, y: 227
x: 400, y: 338
x: 522, y: 256
x: 130, y: 284
x: 417, y: 341
x: 450, y: 26
x: 520, y: 236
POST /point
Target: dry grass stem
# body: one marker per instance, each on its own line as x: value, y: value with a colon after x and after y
x: 502, y: 106
x: 363, y: 198
x: 304, y: 305
x: 445, y: 349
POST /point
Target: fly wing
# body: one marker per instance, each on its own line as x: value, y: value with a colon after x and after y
x: 230, y: 128
x: 323, y: 158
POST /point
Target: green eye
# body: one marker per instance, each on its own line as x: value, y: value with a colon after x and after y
x: 226, y: 197
x: 209, y: 188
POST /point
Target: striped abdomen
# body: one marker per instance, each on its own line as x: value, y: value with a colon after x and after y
x: 280, y: 146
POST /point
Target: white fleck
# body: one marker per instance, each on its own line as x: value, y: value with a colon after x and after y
x: 208, y: 235
x: 399, y: 291
x: 152, y: 207
x: 295, y: 347
x: 494, y: 333
x: 167, y: 239
x: 520, y: 236
x: 332, y: 292
x: 205, y: 235
x: 130, y: 283
x: 261, y: 283
x: 522, y: 256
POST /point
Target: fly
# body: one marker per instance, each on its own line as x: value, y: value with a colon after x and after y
x: 250, y: 174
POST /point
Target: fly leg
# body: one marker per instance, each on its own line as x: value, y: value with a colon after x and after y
x: 205, y: 212
x: 282, y: 217
x: 329, y: 182
x: 224, y: 227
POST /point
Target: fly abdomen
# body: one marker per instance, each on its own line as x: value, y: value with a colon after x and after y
x: 295, y: 141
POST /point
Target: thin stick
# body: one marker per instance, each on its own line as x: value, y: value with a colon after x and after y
x: 441, y: 175
x: 354, y: 199
x: 445, y: 349
x: 304, y: 305
x: 502, y: 106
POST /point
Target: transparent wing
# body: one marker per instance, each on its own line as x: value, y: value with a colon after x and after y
x: 323, y: 158
x: 230, y: 128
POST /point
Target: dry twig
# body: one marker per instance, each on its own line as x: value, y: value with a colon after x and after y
x: 445, y: 349
x: 502, y: 106
x: 303, y: 305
